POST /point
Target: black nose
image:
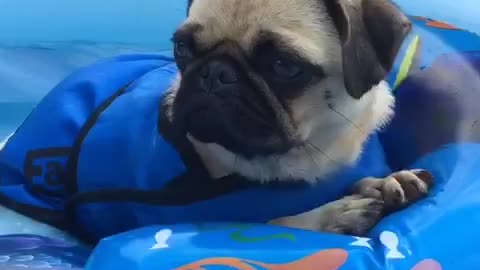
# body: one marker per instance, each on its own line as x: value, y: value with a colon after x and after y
x: 217, y: 73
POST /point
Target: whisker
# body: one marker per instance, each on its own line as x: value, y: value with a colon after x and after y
x: 343, y: 116
x: 311, y: 157
x: 346, y: 118
x: 321, y: 152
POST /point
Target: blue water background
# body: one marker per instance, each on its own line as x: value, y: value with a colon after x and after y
x: 42, y: 41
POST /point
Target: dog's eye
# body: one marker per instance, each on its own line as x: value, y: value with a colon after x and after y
x: 286, y: 69
x: 183, y: 49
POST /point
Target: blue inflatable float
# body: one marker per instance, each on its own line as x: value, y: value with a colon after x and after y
x: 437, y: 127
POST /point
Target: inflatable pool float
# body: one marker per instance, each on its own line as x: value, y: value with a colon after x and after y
x: 437, y: 84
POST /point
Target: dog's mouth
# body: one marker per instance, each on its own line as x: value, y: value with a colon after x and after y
x: 200, y: 122
x: 241, y: 127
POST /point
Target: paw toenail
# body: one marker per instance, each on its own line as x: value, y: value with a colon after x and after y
x: 425, y: 176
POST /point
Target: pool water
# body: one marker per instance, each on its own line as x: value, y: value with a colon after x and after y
x: 12, y: 114
x: 36, y: 52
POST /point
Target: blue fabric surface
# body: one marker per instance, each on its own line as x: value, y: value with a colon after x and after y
x: 56, y: 122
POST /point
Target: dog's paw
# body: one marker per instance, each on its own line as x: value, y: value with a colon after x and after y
x: 353, y: 215
x: 372, y: 199
x: 398, y: 190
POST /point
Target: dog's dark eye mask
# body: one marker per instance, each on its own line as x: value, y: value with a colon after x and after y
x: 286, y: 71
x: 283, y: 69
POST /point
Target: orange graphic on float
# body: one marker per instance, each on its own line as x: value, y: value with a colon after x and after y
x: 427, y: 264
x: 435, y: 23
x: 442, y: 25
x: 331, y: 259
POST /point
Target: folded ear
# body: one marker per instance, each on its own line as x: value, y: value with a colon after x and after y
x: 371, y: 32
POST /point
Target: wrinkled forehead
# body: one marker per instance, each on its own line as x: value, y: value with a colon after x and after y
x: 302, y: 25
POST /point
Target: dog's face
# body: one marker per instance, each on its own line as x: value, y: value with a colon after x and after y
x: 271, y: 85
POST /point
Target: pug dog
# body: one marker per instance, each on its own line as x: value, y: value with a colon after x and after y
x: 290, y: 90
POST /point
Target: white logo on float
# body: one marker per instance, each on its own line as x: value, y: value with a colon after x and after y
x: 362, y: 242
x: 4, y: 142
x: 390, y: 241
x: 161, y: 239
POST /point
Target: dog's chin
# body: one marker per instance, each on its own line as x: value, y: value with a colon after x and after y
x: 246, y: 137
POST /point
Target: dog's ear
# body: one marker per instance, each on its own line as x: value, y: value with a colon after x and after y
x: 371, y: 32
